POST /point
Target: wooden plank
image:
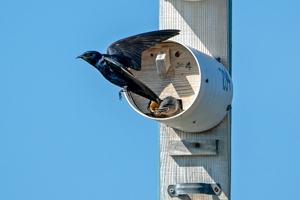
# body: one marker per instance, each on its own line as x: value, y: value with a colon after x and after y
x: 205, y: 26
x: 163, y: 61
x: 195, y: 169
x: 193, y: 147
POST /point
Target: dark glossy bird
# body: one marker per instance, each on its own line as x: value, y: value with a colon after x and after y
x: 126, y: 53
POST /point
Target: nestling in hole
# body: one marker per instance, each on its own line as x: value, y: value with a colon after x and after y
x: 169, y: 107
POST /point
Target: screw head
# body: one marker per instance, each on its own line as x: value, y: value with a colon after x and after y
x: 172, y: 190
x: 216, y: 189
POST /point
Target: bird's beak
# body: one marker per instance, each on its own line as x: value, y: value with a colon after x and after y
x: 81, y: 56
x: 161, y: 110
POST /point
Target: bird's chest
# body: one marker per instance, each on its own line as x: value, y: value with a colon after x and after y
x: 113, y: 76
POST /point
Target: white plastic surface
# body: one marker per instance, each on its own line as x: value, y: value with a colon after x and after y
x: 210, y: 105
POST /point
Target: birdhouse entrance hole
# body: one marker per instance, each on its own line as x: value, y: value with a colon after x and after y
x: 181, y: 80
x: 197, y: 80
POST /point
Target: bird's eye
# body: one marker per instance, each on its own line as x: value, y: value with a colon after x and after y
x: 88, y: 54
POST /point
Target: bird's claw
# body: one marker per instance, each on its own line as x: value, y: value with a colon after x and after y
x: 120, y: 95
x: 123, y: 90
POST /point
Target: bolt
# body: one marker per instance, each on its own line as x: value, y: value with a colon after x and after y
x: 216, y: 189
x: 177, y: 54
x: 171, y: 190
x: 197, y: 145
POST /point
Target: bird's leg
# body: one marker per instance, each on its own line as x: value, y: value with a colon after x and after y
x: 123, y: 90
x: 120, y: 95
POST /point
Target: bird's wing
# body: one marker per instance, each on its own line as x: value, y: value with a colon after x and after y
x: 131, y: 48
x: 142, y: 89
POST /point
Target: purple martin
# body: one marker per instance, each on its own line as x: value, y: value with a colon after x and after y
x: 126, y: 53
x: 169, y: 107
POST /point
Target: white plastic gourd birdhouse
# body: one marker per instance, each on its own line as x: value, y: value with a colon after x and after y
x: 201, y: 83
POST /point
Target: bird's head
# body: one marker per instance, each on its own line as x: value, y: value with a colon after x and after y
x: 168, y: 107
x: 165, y: 109
x: 91, y: 57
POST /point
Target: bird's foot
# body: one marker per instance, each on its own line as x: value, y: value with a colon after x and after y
x: 120, y: 93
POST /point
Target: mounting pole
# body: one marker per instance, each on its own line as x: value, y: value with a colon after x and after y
x: 206, y: 26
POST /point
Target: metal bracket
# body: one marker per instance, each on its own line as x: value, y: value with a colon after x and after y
x: 194, y: 188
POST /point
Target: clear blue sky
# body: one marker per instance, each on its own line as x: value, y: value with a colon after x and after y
x: 64, y: 134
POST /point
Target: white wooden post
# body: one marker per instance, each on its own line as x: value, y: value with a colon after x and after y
x: 206, y: 26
